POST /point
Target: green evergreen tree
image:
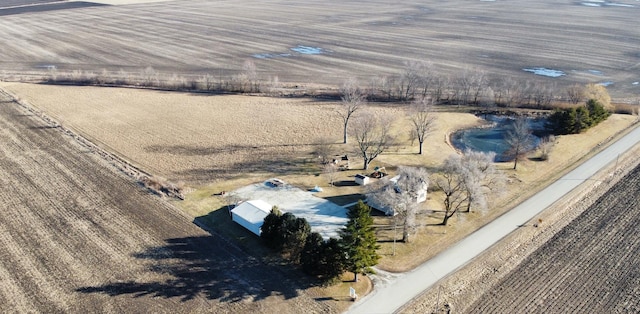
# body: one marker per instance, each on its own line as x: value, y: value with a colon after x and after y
x: 597, y: 111
x: 311, y: 255
x: 270, y: 229
x: 582, y: 120
x: 333, y: 260
x: 358, y: 241
x: 294, y: 234
x: 322, y: 259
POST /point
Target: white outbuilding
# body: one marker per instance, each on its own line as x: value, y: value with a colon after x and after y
x: 251, y: 214
x: 361, y: 179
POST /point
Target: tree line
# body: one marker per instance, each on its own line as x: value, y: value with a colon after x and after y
x: 415, y: 80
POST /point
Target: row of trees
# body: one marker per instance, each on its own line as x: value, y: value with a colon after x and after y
x: 355, y: 251
x: 576, y: 120
x: 416, y: 80
x: 371, y: 130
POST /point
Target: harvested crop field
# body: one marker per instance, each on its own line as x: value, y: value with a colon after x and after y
x: 589, y: 266
x: 78, y: 237
x: 310, y: 42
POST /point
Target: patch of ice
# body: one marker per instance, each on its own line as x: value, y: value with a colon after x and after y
x: 606, y: 83
x: 545, y: 72
x: 613, y: 4
x: 270, y: 55
x: 635, y: 83
x: 306, y: 50
x: 262, y: 55
x: 591, y: 4
x: 596, y: 72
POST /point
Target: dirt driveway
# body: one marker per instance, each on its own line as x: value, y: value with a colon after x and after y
x: 78, y: 237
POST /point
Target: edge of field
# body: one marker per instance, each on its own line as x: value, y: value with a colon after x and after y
x: 465, y: 286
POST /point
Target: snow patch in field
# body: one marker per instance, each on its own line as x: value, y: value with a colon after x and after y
x: 600, y: 3
x: 270, y: 55
x: 306, y: 50
x: 545, y: 72
x: 606, y: 83
x: 613, y: 4
x: 635, y: 83
x: 595, y: 72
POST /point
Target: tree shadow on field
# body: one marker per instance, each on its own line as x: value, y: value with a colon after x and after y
x: 206, y: 266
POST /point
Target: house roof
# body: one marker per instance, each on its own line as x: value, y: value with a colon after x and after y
x: 253, y: 211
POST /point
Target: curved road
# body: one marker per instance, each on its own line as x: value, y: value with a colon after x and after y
x: 391, y: 297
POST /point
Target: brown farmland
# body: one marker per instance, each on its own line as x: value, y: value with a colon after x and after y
x: 78, y: 237
x: 589, y: 266
x: 356, y: 38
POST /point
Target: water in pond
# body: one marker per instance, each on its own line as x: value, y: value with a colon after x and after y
x: 492, y: 138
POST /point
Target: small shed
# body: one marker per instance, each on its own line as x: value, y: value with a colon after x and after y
x: 362, y: 179
x: 251, y: 214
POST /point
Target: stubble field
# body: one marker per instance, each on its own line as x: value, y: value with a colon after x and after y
x: 333, y: 40
x: 78, y: 237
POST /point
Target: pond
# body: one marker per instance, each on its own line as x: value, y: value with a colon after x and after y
x: 491, y: 138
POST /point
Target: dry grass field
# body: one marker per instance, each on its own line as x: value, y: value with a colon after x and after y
x: 77, y: 237
x: 362, y: 39
x: 202, y: 139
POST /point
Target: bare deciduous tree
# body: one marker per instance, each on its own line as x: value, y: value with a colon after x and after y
x: 149, y: 76
x: 402, y: 194
x: 372, y: 136
x: 250, y: 77
x: 207, y: 81
x: 451, y: 181
x: 415, y: 77
x: 481, y: 178
x: 546, y: 146
x: 575, y: 93
x: 330, y: 170
x: 324, y: 149
x: 353, y: 99
x: 467, y: 181
x: 439, y: 87
x: 422, y: 119
x: 519, y: 140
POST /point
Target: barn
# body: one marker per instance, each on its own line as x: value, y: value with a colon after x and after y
x: 251, y: 214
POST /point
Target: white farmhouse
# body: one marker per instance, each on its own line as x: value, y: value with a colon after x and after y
x: 374, y: 201
x: 251, y: 214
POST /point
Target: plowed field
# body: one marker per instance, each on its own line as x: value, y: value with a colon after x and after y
x: 590, y: 266
x: 78, y: 237
x: 324, y: 42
